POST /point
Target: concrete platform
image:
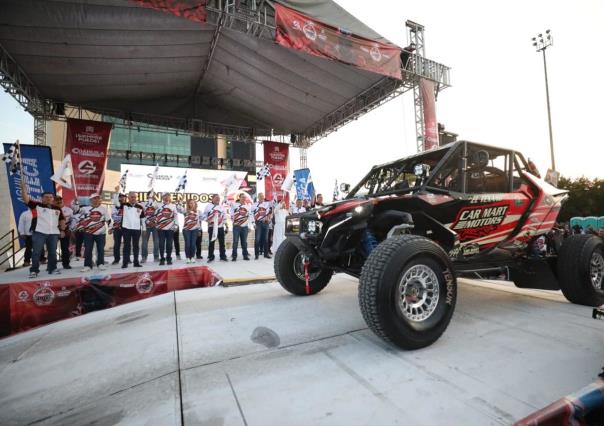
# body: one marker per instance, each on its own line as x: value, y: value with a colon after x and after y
x: 254, y: 355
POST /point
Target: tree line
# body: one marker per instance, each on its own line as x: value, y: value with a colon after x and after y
x: 586, y: 197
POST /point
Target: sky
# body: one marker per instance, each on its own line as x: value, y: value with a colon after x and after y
x: 498, y: 90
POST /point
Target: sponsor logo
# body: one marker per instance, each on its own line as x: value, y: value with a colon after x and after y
x: 86, y: 167
x: 470, y: 249
x: 375, y: 54
x: 450, y: 283
x: 44, y: 295
x: 144, y: 284
x: 88, y: 152
x: 476, y: 222
x: 309, y: 31
x: 89, y: 129
x: 486, y: 198
x: 23, y: 296
x: 63, y: 292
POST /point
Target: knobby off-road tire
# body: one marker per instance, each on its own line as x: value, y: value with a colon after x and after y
x: 387, y: 295
x: 581, y: 269
x: 290, y: 272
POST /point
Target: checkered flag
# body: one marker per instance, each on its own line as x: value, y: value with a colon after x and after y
x: 123, y: 181
x: 336, y: 191
x: 13, y: 158
x: 182, y: 184
x: 263, y: 172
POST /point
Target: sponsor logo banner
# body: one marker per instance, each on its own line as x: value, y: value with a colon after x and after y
x: 276, y: 156
x: 430, y: 125
x: 300, y: 32
x: 194, y: 10
x: 29, y: 304
x: 36, y: 164
x: 87, y: 142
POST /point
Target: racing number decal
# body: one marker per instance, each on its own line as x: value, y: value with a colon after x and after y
x: 479, y: 221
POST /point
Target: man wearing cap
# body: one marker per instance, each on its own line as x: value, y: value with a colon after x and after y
x: 133, y: 213
x: 47, y: 226
x: 95, y: 219
x: 117, y: 212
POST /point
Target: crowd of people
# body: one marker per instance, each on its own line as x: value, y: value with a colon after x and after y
x: 132, y: 223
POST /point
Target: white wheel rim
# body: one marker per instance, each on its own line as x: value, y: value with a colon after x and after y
x: 418, y: 293
x: 597, y: 270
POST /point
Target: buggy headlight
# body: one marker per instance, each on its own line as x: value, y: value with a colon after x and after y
x: 292, y: 225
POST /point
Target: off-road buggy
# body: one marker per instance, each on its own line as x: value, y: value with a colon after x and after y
x: 412, y: 226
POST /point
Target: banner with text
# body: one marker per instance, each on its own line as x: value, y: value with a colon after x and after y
x: 201, y: 183
x: 305, y: 188
x: 87, y: 142
x: 194, y: 10
x: 37, y: 167
x: 276, y: 156
x: 430, y: 124
x: 298, y: 31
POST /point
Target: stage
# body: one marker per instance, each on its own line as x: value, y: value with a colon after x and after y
x: 27, y: 303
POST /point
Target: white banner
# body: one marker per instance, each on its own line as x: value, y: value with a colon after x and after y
x: 201, y: 183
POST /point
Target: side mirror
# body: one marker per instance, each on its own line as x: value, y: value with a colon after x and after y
x: 345, y: 187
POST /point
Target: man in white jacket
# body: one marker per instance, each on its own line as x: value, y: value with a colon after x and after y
x: 132, y: 213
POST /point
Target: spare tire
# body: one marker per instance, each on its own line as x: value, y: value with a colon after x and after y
x: 581, y: 269
x: 407, y: 291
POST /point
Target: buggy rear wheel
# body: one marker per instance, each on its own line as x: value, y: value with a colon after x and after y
x: 581, y: 269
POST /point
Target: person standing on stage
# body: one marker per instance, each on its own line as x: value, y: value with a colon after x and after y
x: 191, y: 227
x: 298, y: 208
x: 64, y: 241
x: 241, y: 214
x: 150, y: 228
x: 77, y: 229
x: 24, y: 230
x: 262, y: 211
x: 216, y: 218
x: 94, y: 232
x: 319, y: 201
x: 117, y: 213
x: 47, y: 226
x: 165, y: 218
x: 133, y: 213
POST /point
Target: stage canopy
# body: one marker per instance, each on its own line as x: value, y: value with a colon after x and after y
x: 302, y: 67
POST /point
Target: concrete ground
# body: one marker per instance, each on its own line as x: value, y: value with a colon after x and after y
x: 255, y: 355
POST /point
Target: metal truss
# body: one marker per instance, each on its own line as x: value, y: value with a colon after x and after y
x: 303, y: 157
x: 383, y: 91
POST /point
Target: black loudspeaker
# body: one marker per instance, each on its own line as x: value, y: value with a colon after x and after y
x: 60, y: 108
x: 293, y: 138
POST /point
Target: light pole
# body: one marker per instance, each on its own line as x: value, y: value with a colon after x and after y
x: 541, y: 43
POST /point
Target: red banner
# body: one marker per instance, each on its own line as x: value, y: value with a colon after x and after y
x: 430, y: 125
x: 29, y: 304
x: 87, y: 142
x: 297, y: 31
x: 194, y: 10
x: 276, y: 156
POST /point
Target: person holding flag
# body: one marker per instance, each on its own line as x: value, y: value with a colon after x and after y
x: 191, y: 227
x: 216, y: 218
x: 94, y: 232
x: 150, y: 228
x: 262, y: 211
x: 65, y: 239
x: 48, y: 224
x: 132, y: 214
x: 117, y: 213
x: 241, y: 214
x: 165, y: 221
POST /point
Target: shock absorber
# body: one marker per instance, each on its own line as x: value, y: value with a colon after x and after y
x: 369, y: 242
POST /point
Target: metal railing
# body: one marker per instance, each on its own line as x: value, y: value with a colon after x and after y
x: 7, y: 245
